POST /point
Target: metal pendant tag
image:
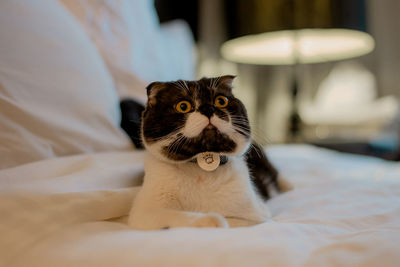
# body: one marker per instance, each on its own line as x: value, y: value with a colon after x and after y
x: 208, y: 161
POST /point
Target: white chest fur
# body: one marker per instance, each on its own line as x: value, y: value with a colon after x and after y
x: 227, y: 191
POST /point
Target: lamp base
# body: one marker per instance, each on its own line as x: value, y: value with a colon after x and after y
x: 294, y: 119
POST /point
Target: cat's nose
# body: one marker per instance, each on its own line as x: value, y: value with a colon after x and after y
x: 207, y: 110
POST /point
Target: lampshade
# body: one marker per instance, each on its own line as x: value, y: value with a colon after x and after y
x: 289, y: 47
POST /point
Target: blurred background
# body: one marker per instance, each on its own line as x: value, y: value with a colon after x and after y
x: 349, y: 104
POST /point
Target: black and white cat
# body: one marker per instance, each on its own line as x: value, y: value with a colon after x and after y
x: 187, y: 125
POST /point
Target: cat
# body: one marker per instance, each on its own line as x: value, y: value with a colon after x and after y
x: 188, y: 124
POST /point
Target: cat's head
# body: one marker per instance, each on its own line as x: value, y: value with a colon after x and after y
x: 185, y: 118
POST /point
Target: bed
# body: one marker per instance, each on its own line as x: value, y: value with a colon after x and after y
x: 69, y: 211
x: 68, y: 174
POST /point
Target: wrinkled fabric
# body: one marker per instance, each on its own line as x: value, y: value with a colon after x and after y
x: 344, y: 211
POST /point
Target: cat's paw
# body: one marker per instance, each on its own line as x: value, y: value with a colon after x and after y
x: 211, y: 220
x: 284, y: 184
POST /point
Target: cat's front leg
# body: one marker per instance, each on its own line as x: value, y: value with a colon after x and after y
x: 157, y: 206
x: 164, y: 218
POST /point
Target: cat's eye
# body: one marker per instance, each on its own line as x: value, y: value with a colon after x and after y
x: 221, y: 101
x: 183, y: 106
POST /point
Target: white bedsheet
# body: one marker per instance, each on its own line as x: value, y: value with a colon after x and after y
x: 345, y: 210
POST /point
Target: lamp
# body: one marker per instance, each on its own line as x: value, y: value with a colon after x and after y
x: 298, y: 46
x: 293, y: 47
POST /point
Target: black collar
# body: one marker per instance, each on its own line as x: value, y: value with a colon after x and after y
x: 222, y: 160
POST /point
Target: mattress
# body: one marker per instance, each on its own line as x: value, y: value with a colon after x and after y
x: 70, y: 211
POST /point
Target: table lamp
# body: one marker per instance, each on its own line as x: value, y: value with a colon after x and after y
x: 294, y: 47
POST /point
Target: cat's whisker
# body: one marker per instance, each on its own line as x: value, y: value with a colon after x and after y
x: 240, y: 120
x: 243, y: 127
x: 181, y: 143
x: 255, y: 129
x: 171, y: 148
x: 242, y: 131
x: 177, y: 144
x: 224, y: 118
x: 186, y: 86
x: 215, y: 81
x: 181, y: 84
x: 256, y: 150
x: 169, y: 136
x: 260, y: 135
x: 255, y: 135
x: 156, y: 129
x: 238, y: 116
x: 181, y: 140
x: 173, y: 144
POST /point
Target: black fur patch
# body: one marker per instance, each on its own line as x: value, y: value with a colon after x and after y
x: 131, y: 120
x: 264, y: 176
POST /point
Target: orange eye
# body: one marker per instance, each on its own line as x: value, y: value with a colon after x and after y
x: 183, y: 106
x: 221, y: 101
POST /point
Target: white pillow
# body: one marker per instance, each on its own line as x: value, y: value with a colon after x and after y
x: 136, y: 49
x: 56, y: 96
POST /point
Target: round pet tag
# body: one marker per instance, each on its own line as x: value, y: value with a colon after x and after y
x: 208, y: 161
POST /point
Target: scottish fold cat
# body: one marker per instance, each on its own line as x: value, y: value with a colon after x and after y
x: 202, y: 168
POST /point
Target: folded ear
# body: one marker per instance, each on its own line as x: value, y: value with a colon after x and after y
x: 226, y: 80
x: 152, y: 90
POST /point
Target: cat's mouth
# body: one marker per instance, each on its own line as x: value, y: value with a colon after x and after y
x: 210, y: 127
